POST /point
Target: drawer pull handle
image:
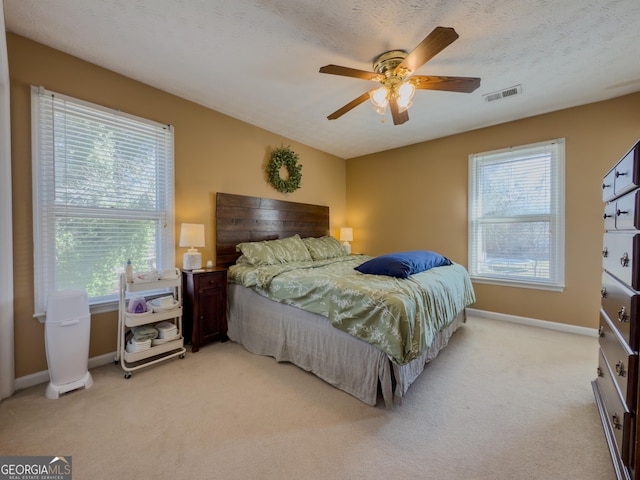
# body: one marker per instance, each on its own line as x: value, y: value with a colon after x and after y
x: 621, y: 212
x: 620, y: 174
x: 599, y: 372
x: 603, y: 292
x: 605, y: 185
x: 605, y: 216
x: 624, y: 260
x: 615, y: 420
x: 622, y: 314
x: 620, y: 369
x: 601, y: 331
x: 605, y: 252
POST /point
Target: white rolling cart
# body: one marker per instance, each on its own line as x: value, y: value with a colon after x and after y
x: 160, y: 350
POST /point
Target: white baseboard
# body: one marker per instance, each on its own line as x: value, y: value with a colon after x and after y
x: 43, y: 376
x: 532, y: 322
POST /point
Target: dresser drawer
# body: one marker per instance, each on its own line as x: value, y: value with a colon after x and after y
x: 621, y: 257
x: 608, y: 192
x: 623, y: 213
x: 619, y: 418
x: 610, y: 216
x: 621, y: 306
x: 627, y: 172
x: 622, y: 361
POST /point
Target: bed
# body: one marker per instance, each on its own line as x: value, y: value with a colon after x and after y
x: 322, y: 337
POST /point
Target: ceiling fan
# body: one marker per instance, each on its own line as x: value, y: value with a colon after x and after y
x: 394, y: 70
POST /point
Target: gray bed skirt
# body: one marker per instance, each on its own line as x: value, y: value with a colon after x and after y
x: 308, y: 340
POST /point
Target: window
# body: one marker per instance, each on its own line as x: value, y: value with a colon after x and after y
x: 516, y: 216
x: 102, y: 193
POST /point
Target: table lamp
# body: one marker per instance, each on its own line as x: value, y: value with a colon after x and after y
x: 192, y: 235
x: 346, y: 236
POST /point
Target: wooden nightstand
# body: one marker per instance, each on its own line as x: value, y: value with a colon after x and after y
x: 205, y: 306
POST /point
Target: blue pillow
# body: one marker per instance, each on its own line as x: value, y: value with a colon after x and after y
x: 403, y: 264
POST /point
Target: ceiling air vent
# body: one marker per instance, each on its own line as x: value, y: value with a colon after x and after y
x: 507, y: 92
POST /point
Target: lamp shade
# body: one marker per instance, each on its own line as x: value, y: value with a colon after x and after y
x: 192, y: 235
x: 346, y: 234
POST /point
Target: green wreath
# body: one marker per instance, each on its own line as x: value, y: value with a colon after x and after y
x: 284, y: 157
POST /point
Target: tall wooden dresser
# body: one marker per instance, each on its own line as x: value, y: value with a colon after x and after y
x: 616, y: 384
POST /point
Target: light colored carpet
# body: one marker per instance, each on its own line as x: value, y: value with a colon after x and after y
x: 502, y: 401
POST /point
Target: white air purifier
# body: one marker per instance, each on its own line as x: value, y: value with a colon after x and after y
x: 67, y: 329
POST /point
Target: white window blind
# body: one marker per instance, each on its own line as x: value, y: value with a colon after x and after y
x: 103, y: 193
x: 516, y: 216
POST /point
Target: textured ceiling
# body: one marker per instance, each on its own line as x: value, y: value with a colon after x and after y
x: 258, y: 60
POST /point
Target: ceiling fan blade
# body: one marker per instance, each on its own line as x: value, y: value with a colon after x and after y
x: 398, y: 117
x: 449, y: 84
x: 349, y: 106
x: 434, y: 43
x: 351, y: 72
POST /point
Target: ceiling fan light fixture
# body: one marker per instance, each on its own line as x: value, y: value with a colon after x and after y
x: 395, y: 69
x: 380, y: 98
x: 381, y: 110
x: 402, y: 107
x: 405, y: 94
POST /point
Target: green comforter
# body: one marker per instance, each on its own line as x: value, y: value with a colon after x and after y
x: 398, y: 316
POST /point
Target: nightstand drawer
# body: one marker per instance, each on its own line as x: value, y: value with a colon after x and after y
x: 211, y: 280
x: 622, y: 362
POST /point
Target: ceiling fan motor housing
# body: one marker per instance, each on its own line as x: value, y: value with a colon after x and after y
x: 386, y: 63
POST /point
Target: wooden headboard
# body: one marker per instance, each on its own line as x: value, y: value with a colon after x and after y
x: 252, y: 219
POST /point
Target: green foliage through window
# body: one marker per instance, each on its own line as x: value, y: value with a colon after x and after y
x: 103, y: 194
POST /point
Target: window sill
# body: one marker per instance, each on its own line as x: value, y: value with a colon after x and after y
x: 93, y: 309
x: 103, y: 307
x: 518, y: 284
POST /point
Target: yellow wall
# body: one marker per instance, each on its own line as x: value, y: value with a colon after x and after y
x: 416, y: 198
x: 213, y: 153
x: 408, y: 198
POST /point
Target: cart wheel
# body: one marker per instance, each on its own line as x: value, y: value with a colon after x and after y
x: 181, y: 356
x: 127, y: 375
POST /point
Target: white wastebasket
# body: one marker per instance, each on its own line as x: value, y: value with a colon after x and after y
x: 67, y: 329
